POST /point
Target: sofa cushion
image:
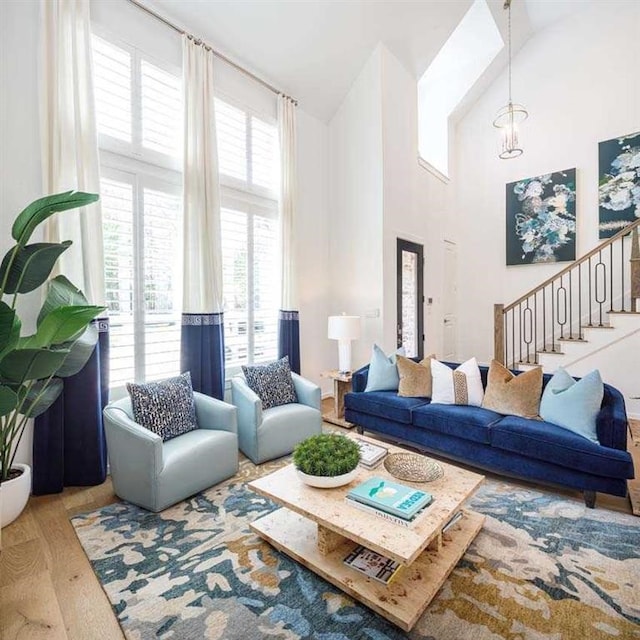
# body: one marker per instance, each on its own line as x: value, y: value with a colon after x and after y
x: 460, y: 386
x: 545, y: 441
x: 165, y: 407
x: 513, y: 395
x: 462, y: 421
x: 384, y: 404
x: 272, y: 382
x: 573, y: 404
x: 415, y: 377
x: 383, y: 370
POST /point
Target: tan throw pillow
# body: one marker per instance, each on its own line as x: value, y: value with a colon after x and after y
x: 415, y: 377
x: 513, y: 395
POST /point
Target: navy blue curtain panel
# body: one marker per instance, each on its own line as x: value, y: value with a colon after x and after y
x: 289, y: 338
x: 69, y: 447
x: 202, y: 352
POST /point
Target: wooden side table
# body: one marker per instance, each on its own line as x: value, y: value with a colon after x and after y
x: 341, y: 385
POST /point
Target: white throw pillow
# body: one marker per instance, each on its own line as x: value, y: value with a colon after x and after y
x: 462, y: 386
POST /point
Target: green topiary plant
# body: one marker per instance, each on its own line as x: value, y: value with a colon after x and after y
x: 327, y: 454
x: 32, y: 366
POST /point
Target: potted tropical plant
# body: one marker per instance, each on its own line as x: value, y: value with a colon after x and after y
x: 326, y: 460
x: 32, y: 366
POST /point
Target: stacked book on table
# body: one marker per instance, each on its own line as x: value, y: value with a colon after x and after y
x: 370, y: 454
x: 390, y: 500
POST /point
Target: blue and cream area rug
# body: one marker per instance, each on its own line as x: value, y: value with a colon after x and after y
x: 543, y: 567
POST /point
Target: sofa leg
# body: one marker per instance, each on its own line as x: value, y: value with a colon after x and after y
x: 360, y: 429
x: 590, y: 499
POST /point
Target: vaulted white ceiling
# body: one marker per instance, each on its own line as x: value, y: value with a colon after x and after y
x: 314, y: 49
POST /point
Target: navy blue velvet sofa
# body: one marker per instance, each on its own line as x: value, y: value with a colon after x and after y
x: 519, y: 447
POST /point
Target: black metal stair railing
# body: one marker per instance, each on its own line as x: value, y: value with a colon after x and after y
x: 606, y: 279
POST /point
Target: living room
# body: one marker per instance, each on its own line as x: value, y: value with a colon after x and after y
x: 353, y: 71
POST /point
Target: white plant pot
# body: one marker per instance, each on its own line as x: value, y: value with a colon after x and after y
x: 327, y: 482
x: 14, y: 495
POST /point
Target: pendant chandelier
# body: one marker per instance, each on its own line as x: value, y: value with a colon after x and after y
x: 511, y: 115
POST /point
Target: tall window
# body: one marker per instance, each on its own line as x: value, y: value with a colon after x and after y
x: 139, y: 116
x: 249, y: 165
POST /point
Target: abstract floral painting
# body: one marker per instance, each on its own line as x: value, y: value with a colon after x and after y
x: 619, y: 185
x: 541, y: 219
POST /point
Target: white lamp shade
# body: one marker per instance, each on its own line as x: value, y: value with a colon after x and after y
x: 344, y: 327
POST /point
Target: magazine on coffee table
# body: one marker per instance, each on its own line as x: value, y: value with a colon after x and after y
x: 372, y: 564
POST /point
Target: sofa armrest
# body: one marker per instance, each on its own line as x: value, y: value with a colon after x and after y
x: 212, y: 413
x: 359, y: 379
x: 131, y: 445
x: 308, y: 393
x: 611, y: 422
x: 249, y: 407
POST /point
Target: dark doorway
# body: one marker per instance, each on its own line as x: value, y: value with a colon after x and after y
x: 410, y: 296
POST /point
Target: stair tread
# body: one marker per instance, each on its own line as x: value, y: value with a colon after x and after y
x: 624, y: 313
x: 549, y: 350
x: 572, y: 340
x: 597, y: 326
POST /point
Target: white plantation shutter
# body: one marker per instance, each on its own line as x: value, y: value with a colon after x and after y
x: 139, y: 113
x: 161, y: 110
x: 112, y: 68
x: 249, y: 165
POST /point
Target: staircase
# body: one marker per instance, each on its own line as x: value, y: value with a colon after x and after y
x: 590, y: 307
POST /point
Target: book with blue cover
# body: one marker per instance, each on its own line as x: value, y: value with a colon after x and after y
x: 396, y: 499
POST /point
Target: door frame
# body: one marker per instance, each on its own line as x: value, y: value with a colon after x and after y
x: 411, y: 247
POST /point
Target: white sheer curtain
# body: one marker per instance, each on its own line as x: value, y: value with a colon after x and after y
x: 288, y: 195
x: 70, y: 142
x: 202, y: 247
x: 202, y: 335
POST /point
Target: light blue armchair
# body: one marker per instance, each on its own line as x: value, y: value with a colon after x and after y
x: 154, y: 474
x: 272, y: 433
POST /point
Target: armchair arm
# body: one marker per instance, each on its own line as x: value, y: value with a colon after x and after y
x: 129, y: 440
x: 249, y: 408
x: 308, y: 393
x: 212, y: 413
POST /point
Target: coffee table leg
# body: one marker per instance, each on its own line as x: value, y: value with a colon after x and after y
x: 328, y: 540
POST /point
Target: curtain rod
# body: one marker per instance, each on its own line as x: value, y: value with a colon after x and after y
x: 246, y: 72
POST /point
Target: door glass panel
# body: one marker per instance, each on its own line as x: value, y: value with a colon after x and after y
x: 409, y: 303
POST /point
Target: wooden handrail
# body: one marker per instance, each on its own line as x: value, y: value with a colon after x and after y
x: 623, y: 232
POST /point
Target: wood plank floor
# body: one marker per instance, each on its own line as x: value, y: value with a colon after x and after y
x: 48, y: 589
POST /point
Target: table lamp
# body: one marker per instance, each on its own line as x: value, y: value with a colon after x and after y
x: 344, y: 329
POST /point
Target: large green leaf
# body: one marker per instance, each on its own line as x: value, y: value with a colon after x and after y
x: 79, y: 352
x: 61, y: 293
x: 31, y: 364
x: 64, y: 324
x: 30, y: 266
x: 9, y: 329
x: 8, y: 400
x: 41, y: 209
x: 40, y: 397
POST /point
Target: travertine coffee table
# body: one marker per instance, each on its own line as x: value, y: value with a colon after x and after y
x: 318, y: 528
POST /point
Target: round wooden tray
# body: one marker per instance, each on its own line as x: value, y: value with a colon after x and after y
x: 413, y: 467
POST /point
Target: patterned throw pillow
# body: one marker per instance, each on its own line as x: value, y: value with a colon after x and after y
x: 166, y: 407
x: 415, y: 377
x: 513, y: 395
x: 272, y: 382
x: 462, y: 386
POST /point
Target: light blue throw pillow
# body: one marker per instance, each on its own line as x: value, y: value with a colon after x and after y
x: 572, y: 404
x: 383, y: 371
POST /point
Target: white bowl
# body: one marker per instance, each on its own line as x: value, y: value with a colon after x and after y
x: 327, y: 482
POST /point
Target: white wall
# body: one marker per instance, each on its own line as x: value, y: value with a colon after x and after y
x: 579, y: 79
x: 20, y: 169
x: 356, y: 202
x: 416, y: 202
